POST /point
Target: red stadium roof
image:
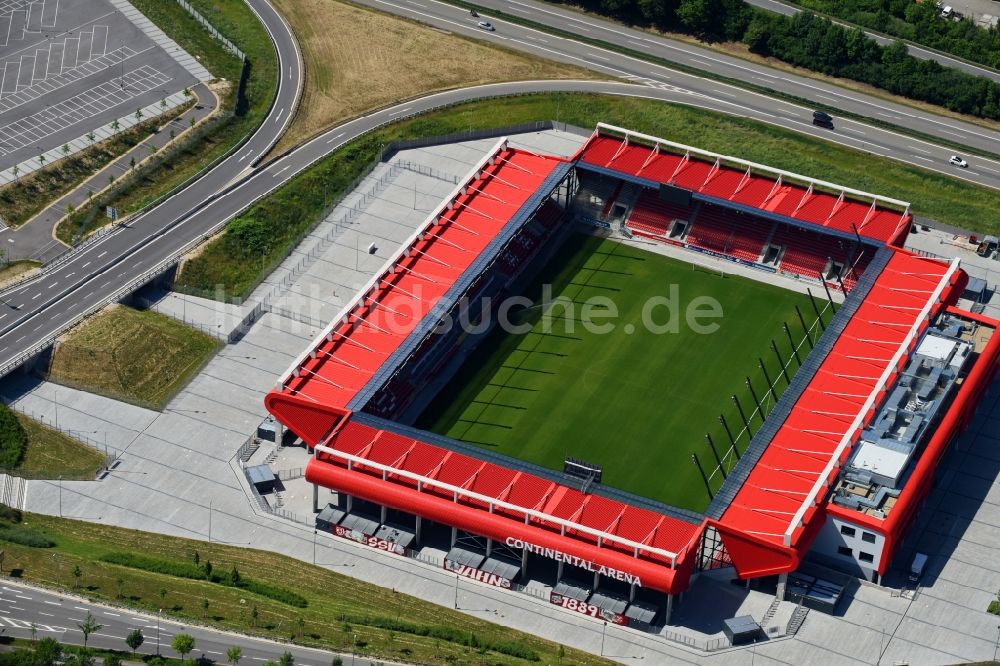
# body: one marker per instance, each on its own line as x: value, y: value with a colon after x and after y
x: 503, y: 503
x: 741, y: 182
x: 779, y: 498
x: 346, y: 355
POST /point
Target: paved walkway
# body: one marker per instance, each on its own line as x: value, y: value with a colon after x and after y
x: 36, y: 238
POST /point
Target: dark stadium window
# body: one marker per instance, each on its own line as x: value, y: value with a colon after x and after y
x: 847, y: 531
x: 844, y: 550
x: 866, y: 557
x: 868, y: 537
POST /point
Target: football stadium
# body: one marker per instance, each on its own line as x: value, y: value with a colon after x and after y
x: 545, y: 383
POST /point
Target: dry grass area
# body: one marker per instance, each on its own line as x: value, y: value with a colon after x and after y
x: 357, y: 60
x: 15, y: 270
x: 138, y: 356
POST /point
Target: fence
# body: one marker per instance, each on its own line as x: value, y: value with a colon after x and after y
x: 291, y: 474
x: 211, y: 30
x: 111, y: 454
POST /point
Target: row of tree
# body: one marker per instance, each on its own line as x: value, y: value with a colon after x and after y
x: 816, y: 43
x: 919, y: 22
x: 49, y: 652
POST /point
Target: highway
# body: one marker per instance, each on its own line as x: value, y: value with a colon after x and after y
x: 448, y: 17
x: 915, y: 50
x: 58, y: 616
x: 34, y: 313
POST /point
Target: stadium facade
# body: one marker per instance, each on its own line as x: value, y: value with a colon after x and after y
x: 838, y: 470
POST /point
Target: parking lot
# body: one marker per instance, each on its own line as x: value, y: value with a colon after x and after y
x: 68, y: 68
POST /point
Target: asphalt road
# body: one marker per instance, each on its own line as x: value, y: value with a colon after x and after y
x: 58, y: 616
x: 915, y: 50
x: 449, y: 17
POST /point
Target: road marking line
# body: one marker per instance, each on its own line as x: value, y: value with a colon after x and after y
x: 111, y: 614
x: 35, y: 296
x: 5, y: 612
x: 280, y: 113
x: 80, y: 608
x: 919, y: 150
x: 50, y: 286
x: 53, y: 603
x: 16, y: 608
x: 278, y: 173
x: 102, y: 254
x: 86, y: 264
x: 396, y: 113
x: 46, y: 614
x: 19, y: 596
x: 335, y: 138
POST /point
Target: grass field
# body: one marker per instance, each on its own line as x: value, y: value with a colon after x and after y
x: 636, y: 401
x: 138, y: 356
x: 383, y: 59
x: 51, y: 454
x: 340, y: 610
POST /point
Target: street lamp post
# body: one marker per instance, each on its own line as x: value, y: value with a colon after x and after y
x: 456, y: 591
x: 158, y: 631
x: 604, y: 631
x: 60, y: 495
x: 55, y: 556
x: 210, y: 521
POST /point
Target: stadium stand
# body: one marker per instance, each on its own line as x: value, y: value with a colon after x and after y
x: 653, y: 216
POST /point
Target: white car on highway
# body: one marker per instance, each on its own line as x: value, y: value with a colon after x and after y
x: 958, y: 161
x: 486, y: 25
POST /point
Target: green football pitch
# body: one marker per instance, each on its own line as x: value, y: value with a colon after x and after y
x: 636, y: 401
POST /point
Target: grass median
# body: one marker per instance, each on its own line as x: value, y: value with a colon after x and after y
x: 138, y: 356
x: 237, y: 119
x: 256, y: 240
x: 340, y: 612
x: 50, y: 454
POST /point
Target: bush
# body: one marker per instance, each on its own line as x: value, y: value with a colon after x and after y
x: 176, y: 569
x: 994, y: 607
x: 13, y: 439
x: 207, y: 572
x: 25, y: 537
x: 9, y: 514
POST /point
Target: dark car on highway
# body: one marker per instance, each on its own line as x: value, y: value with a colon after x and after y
x: 822, y: 119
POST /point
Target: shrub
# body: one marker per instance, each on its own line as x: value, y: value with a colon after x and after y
x: 994, y: 607
x: 25, y: 537
x: 9, y: 514
x: 13, y: 439
x: 176, y: 569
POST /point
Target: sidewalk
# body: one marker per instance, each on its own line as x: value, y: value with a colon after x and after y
x: 36, y: 238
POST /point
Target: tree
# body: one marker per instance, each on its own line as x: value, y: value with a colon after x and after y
x: 34, y: 631
x: 337, y: 661
x: 41, y: 159
x: 163, y: 595
x: 70, y: 208
x: 253, y: 617
x: 233, y: 655
x: 88, y: 627
x: 131, y: 163
x: 187, y: 92
x: 120, y: 582
x: 134, y: 640
x: 111, y: 179
x: 562, y: 653
x: 204, y: 608
x: 152, y: 148
x: 77, y: 572
x: 208, y: 569
x: 15, y: 170
x: 302, y: 626
x: 182, y: 644
x: 286, y: 659
x: 234, y: 576
x: 91, y: 137
x: 112, y: 660
x: 115, y: 125
x: 163, y: 104
x: 65, y: 149
x: 196, y: 557
x: 191, y: 122
x: 138, y: 115
x: 47, y: 652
